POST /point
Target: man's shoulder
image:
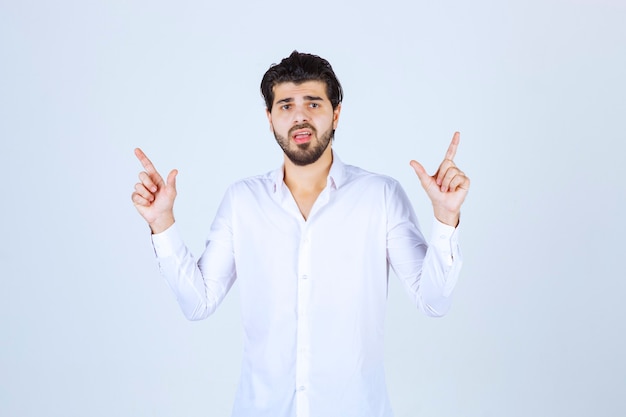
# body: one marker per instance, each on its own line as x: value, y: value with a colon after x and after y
x: 254, y: 183
x: 358, y: 175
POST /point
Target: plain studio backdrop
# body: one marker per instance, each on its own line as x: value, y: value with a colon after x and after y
x: 89, y: 328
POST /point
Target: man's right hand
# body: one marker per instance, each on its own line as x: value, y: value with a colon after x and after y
x: 153, y: 197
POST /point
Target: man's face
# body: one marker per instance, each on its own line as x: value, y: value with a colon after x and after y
x: 303, y: 120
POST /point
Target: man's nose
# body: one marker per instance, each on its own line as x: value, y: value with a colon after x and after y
x: 300, y: 115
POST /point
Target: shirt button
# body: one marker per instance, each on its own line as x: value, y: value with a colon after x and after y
x: 305, y: 277
x: 301, y: 388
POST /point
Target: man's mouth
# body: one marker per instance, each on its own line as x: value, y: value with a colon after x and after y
x: 301, y: 136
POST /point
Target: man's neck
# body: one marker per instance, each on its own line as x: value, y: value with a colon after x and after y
x: 309, y: 178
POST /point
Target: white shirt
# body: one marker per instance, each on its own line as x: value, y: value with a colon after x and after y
x: 313, y: 292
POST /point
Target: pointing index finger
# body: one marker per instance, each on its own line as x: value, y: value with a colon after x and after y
x: 453, y: 145
x: 147, y: 164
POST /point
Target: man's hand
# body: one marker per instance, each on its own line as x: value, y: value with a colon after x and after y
x: 153, y: 197
x: 447, y: 188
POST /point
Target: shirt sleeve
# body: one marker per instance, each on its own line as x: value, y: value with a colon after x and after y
x: 199, y: 286
x: 428, y: 271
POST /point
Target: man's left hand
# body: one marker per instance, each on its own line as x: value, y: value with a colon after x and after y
x: 447, y: 188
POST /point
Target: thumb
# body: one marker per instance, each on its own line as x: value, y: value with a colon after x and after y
x: 420, y: 172
x: 171, y: 179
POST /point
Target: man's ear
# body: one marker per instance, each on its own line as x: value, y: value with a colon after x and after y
x: 268, y: 113
x: 336, y: 113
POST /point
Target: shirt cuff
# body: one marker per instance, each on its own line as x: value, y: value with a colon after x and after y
x: 445, y: 240
x: 168, y: 242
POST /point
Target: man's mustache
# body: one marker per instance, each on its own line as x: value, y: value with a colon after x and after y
x: 302, y: 126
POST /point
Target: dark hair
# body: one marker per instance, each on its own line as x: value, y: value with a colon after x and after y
x: 299, y: 68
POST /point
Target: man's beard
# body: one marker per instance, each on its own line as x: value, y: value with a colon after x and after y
x: 305, y: 153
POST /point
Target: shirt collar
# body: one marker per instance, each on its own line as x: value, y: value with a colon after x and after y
x: 337, y: 172
x: 336, y: 175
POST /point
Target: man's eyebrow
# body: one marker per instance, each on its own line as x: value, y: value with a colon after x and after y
x: 307, y: 98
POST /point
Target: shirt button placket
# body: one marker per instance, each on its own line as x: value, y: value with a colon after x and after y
x: 303, y: 329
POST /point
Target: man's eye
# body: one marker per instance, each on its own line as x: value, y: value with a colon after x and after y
x: 285, y: 107
x: 314, y: 105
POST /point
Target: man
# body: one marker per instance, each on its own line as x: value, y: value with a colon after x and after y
x: 310, y: 244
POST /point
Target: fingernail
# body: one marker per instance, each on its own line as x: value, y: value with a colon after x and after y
x: 154, y: 189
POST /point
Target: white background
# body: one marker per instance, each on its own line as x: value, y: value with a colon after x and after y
x: 89, y: 328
